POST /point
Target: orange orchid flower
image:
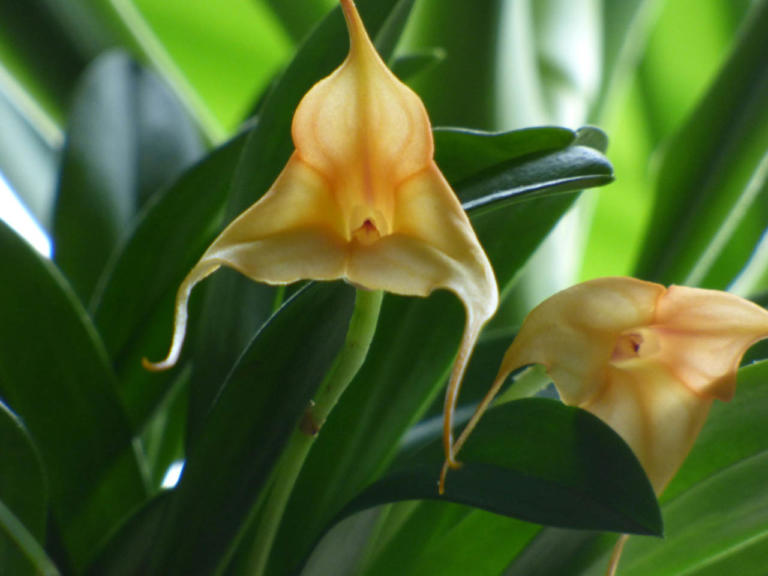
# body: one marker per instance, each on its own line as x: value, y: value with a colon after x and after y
x: 645, y: 359
x: 362, y: 199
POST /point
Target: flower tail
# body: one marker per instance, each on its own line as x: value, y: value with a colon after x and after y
x: 468, y: 341
x: 479, y: 411
x: 202, y: 270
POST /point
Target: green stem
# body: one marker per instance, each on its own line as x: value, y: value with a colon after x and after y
x: 362, y: 327
x: 527, y: 383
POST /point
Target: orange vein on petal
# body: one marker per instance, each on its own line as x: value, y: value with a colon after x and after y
x: 362, y: 199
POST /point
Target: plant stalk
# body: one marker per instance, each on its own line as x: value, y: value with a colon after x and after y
x: 362, y: 327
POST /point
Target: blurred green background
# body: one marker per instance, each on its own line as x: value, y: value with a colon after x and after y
x: 679, y: 86
x: 635, y: 68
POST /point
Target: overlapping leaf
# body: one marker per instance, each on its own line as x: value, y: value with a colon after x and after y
x: 242, y: 436
x: 23, y: 494
x: 707, y: 218
x: 128, y: 136
x: 537, y: 460
x: 55, y: 376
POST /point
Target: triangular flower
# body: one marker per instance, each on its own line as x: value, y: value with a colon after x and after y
x: 362, y: 199
x: 645, y: 359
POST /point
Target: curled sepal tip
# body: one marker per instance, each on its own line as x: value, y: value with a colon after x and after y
x: 197, y: 274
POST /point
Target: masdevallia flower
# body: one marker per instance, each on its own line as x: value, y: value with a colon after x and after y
x: 360, y: 198
x: 645, y: 359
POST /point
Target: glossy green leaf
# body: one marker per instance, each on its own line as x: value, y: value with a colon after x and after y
x: 128, y: 137
x: 493, y: 170
x: 56, y: 377
x: 462, y: 154
x: 498, y: 177
x: 705, y: 172
x: 258, y: 408
x: 133, y: 304
x: 235, y: 307
x: 569, y: 170
x: 714, y: 510
x: 572, y: 469
x: 22, y: 491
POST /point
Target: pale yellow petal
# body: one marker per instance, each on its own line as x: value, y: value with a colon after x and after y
x: 703, y: 335
x: 292, y: 233
x: 361, y: 126
x: 573, y: 333
x: 656, y: 414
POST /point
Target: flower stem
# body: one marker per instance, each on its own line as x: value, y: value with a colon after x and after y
x: 362, y: 327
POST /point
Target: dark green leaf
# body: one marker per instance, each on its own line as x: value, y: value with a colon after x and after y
x: 570, y: 170
x: 704, y: 173
x: 55, y: 376
x: 170, y: 235
x: 128, y: 137
x: 387, y: 35
x: 129, y: 549
x: 463, y: 91
x: 463, y: 154
x: 412, y: 64
x: 258, y: 408
x: 164, y: 435
x: 298, y: 17
x: 31, y: 38
x: 537, y: 460
x: 22, y: 490
x: 714, y: 511
x: 495, y: 170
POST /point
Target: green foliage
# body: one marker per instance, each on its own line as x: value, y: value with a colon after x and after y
x: 161, y: 121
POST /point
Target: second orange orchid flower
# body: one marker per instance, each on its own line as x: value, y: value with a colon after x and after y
x: 645, y: 359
